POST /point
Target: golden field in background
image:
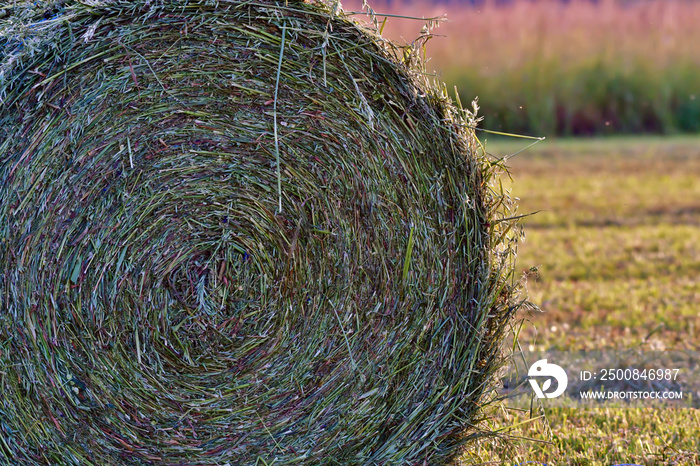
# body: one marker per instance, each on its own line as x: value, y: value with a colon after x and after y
x: 550, y: 67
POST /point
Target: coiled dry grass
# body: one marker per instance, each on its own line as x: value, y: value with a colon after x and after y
x: 238, y: 232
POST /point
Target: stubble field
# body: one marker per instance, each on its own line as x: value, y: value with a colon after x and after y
x: 613, y: 261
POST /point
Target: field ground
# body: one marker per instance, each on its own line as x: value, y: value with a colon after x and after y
x: 613, y: 261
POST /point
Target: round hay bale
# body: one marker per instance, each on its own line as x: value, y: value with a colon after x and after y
x: 237, y: 233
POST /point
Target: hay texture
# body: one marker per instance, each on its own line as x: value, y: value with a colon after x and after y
x: 237, y: 233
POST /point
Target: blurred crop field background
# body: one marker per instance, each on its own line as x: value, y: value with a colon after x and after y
x: 576, y: 67
x: 612, y: 256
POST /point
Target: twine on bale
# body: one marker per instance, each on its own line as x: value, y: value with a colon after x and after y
x: 158, y: 305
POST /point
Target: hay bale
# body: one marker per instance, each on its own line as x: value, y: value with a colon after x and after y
x: 234, y: 233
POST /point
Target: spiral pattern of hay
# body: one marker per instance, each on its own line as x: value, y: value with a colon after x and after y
x: 234, y: 233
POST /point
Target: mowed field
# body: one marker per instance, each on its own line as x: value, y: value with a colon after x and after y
x: 613, y: 261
